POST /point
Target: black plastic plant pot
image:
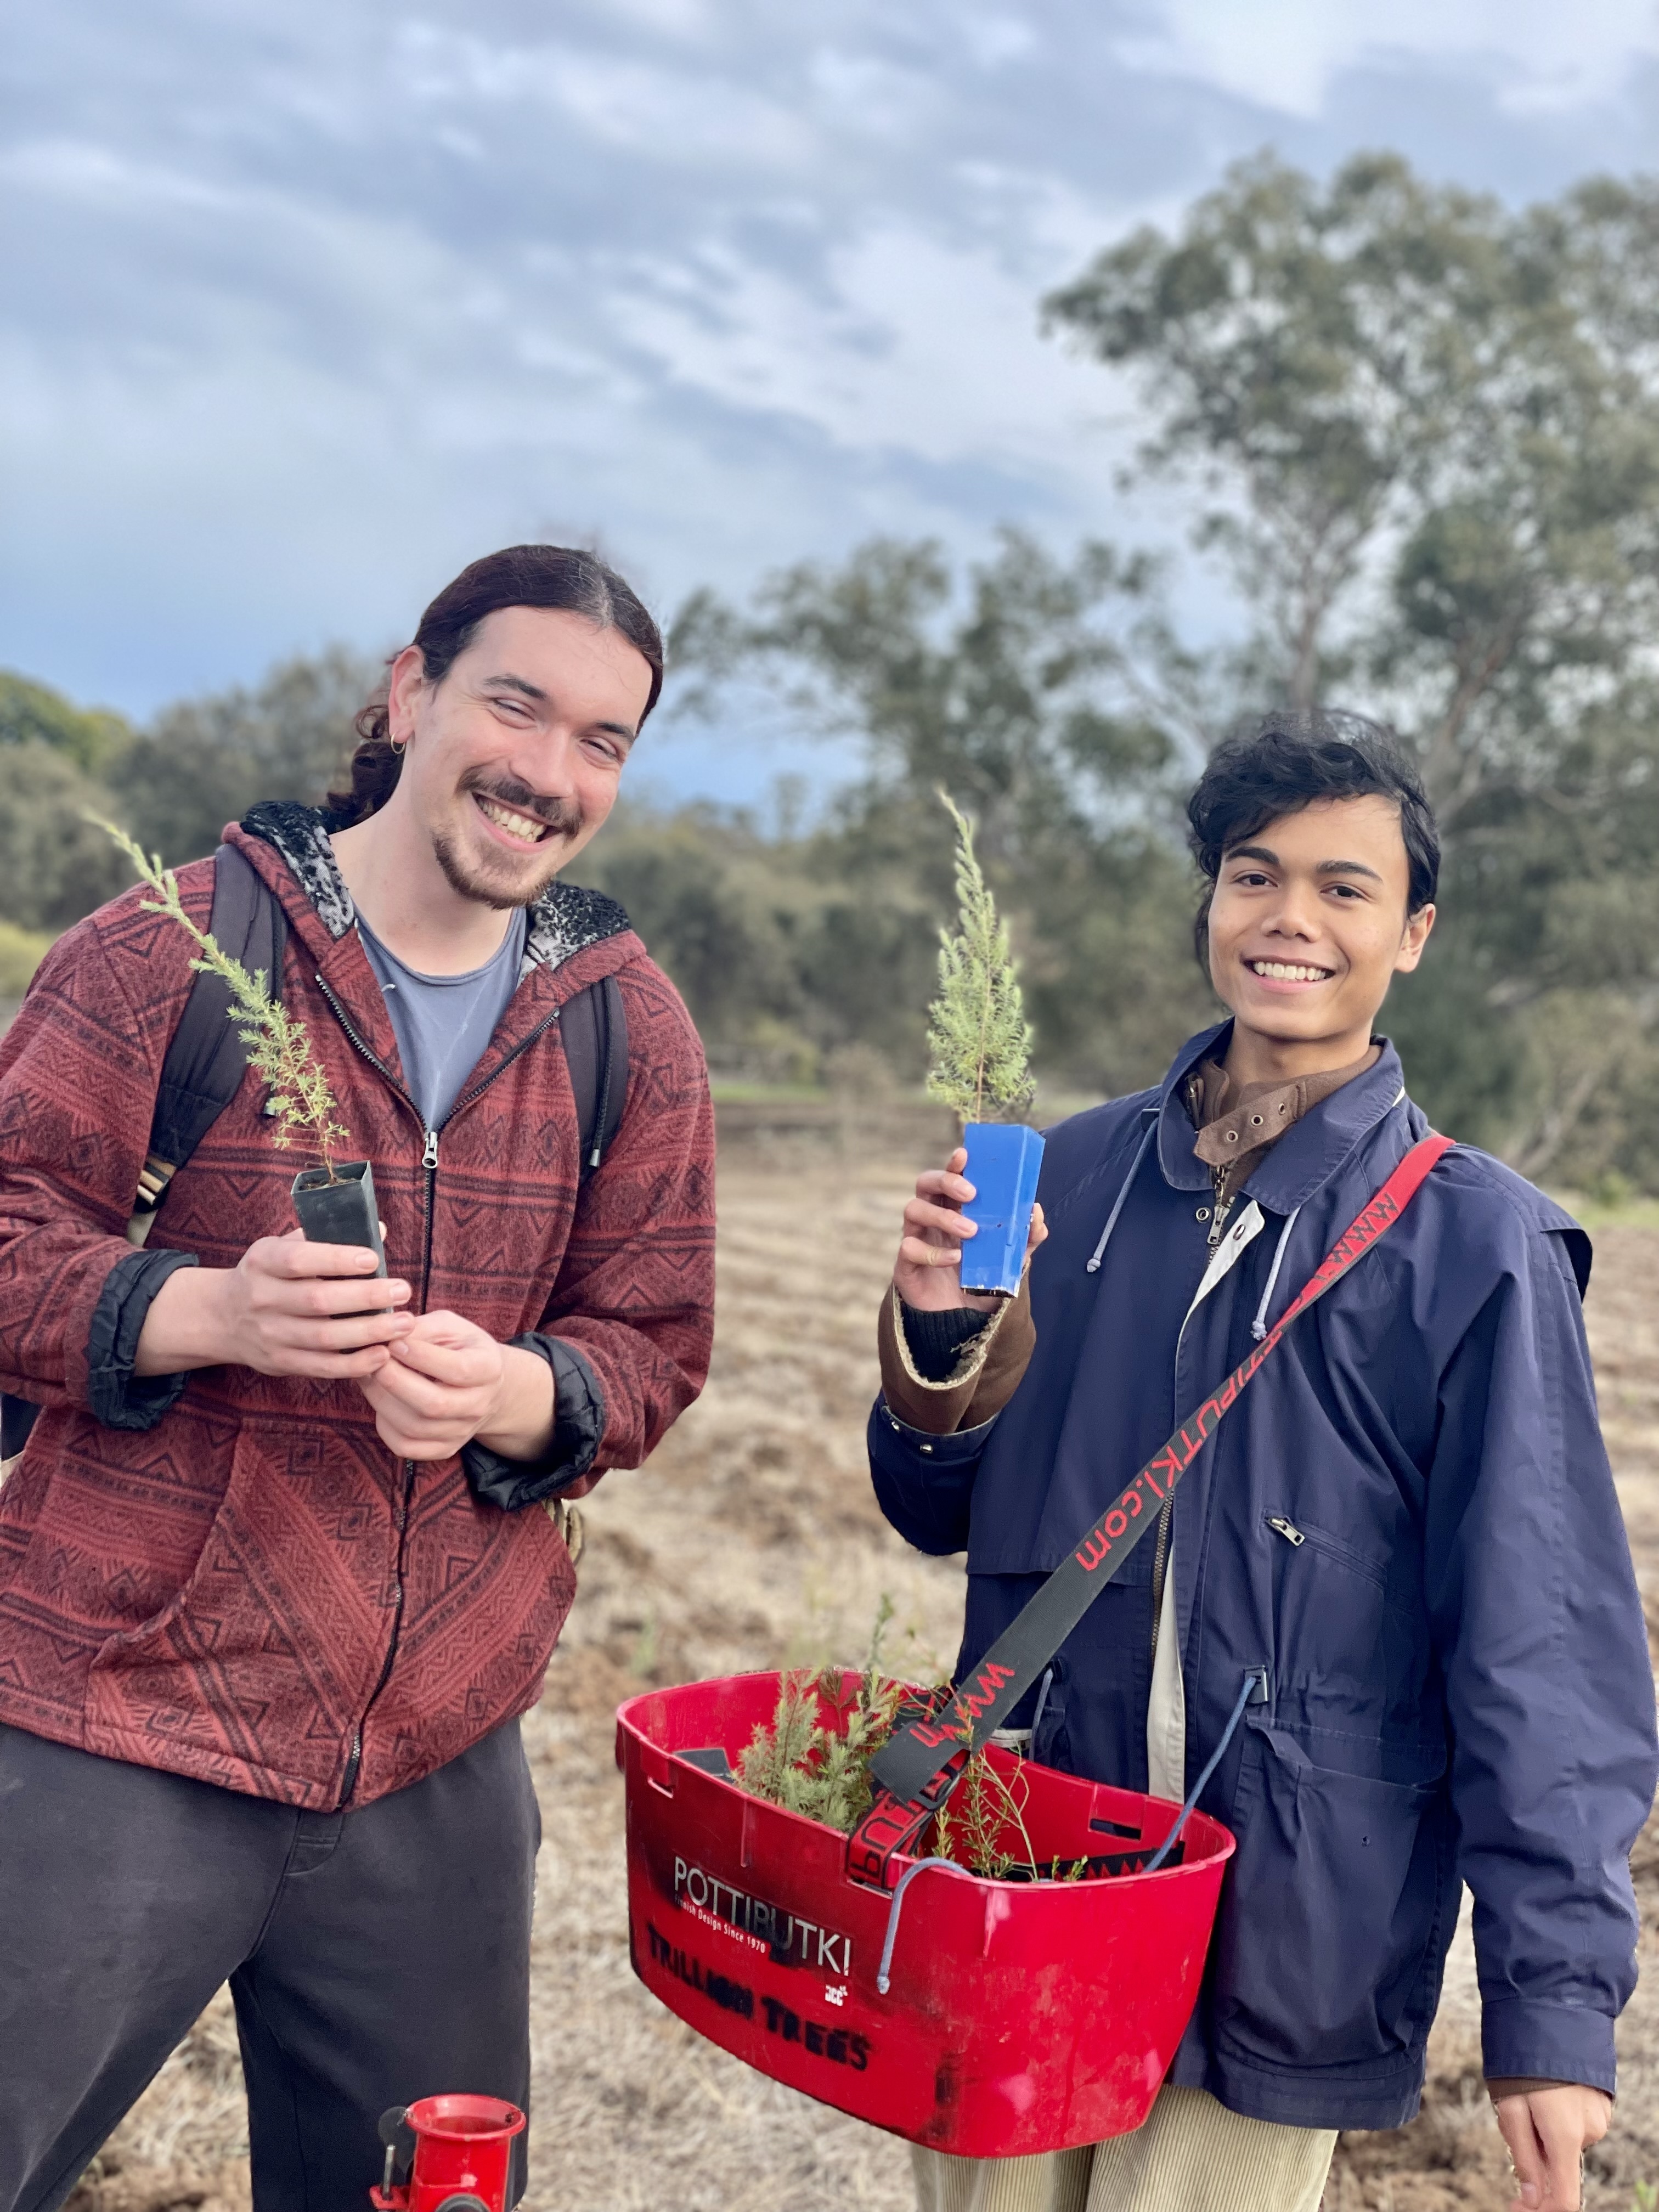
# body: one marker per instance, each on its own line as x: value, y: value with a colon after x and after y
x: 340, y: 1209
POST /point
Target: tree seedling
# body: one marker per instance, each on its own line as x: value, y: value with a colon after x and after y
x: 981, y: 1044
x: 977, y: 1033
x: 278, y: 1047
x: 823, y: 1772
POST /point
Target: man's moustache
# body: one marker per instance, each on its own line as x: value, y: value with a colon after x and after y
x: 557, y: 813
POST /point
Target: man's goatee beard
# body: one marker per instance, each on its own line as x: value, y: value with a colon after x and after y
x: 484, y: 893
x: 563, y: 817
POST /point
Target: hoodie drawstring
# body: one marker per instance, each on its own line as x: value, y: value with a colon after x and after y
x: 1259, y: 1326
x: 1093, y: 1268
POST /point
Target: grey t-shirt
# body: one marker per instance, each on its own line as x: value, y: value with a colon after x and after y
x: 444, y: 1023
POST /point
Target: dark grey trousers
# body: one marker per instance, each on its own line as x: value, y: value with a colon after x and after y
x: 375, y: 1956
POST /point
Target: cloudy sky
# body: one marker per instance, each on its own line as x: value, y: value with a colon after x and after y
x: 306, y: 305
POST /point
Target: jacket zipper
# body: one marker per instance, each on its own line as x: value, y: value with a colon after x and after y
x: 1222, y: 1205
x: 1166, y: 1518
x: 1160, y: 1570
x: 1333, y: 1547
x: 429, y: 1164
x: 429, y: 1150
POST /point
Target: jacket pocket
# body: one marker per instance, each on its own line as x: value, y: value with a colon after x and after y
x: 1327, y: 1947
x: 1299, y: 1531
x: 234, y: 1668
x: 1347, y: 1631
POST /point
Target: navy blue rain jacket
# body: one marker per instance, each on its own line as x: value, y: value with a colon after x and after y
x: 1460, y: 1682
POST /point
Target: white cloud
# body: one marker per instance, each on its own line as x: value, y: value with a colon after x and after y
x: 304, y: 305
x: 994, y: 40
x: 908, y: 346
x: 1283, y: 54
x: 654, y: 111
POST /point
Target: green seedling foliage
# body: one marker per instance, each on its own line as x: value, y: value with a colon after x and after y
x: 277, y: 1043
x: 973, y: 1828
x: 796, y: 1761
x: 977, y: 1034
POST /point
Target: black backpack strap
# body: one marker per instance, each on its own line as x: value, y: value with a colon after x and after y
x: 204, y: 1068
x: 593, y: 1026
x: 206, y: 1061
x: 17, y: 1416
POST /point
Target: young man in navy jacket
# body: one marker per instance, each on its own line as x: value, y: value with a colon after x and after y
x: 1409, y: 1520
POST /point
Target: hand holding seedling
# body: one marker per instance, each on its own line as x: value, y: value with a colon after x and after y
x: 287, y: 1307
x: 928, y: 1272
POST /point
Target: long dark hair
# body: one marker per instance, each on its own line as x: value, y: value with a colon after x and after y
x: 557, y: 576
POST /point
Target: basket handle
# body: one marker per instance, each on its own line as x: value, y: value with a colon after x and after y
x: 884, y: 1972
x: 1254, y: 1693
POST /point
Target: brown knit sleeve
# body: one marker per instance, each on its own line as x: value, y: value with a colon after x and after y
x: 1522, y: 2085
x: 985, y: 1376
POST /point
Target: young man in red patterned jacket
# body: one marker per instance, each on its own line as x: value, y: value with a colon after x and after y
x: 275, y: 1582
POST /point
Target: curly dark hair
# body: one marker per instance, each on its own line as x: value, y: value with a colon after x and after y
x: 1278, y: 764
x: 557, y: 576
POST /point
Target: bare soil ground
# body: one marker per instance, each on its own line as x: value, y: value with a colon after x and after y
x: 752, y: 1540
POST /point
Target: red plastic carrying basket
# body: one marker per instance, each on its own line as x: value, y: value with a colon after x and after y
x: 1018, y: 2016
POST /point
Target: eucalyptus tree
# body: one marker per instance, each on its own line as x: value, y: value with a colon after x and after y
x: 1422, y: 430
x: 204, y: 761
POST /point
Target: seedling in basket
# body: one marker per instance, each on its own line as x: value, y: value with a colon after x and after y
x: 822, y: 1770
x: 335, y: 1199
x: 981, y: 1044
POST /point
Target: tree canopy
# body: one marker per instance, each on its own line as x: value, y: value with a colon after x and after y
x: 34, y: 714
x: 1418, y: 431
x: 1424, y: 432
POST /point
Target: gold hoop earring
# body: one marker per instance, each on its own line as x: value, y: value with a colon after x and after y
x: 397, y: 744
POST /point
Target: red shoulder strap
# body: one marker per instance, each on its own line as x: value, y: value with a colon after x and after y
x: 917, y: 1769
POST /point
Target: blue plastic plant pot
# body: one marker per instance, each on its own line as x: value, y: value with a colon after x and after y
x: 1003, y: 1159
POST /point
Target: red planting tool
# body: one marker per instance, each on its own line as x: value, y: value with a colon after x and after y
x: 451, y: 2154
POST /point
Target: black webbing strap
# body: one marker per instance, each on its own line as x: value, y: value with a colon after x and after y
x: 204, y: 1067
x: 206, y: 1059
x: 594, y: 1027
x: 918, y: 1767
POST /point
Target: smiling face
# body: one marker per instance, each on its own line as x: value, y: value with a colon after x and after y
x: 511, y: 762
x: 1308, y: 928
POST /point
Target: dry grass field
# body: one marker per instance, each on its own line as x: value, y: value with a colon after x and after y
x: 752, y: 1539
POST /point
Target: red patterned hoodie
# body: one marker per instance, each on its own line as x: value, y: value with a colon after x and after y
x: 229, y: 1574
